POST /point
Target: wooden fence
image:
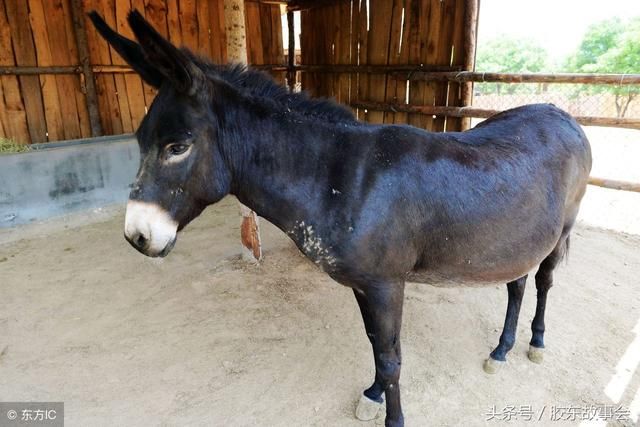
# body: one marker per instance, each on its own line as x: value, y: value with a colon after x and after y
x: 511, y: 78
x: 356, y: 46
x: 60, y: 80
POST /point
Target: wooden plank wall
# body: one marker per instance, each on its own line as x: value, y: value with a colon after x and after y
x: 386, y: 33
x: 48, y: 107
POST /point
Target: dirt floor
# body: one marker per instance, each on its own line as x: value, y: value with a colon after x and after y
x: 200, y: 338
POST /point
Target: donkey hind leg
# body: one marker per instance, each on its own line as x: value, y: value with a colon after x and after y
x: 544, y: 281
x: 381, y: 308
x: 508, y: 337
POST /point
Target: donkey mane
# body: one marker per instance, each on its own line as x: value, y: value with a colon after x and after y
x: 261, y: 87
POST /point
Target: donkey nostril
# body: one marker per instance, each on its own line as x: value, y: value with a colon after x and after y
x: 140, y: 241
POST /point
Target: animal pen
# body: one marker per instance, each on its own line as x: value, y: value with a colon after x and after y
x: 204, y: 338
x: 400, y: 61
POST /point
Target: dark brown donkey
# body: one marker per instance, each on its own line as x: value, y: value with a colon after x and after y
x: 372, y: 205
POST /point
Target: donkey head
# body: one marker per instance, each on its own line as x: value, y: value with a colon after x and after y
x: 181, y: 169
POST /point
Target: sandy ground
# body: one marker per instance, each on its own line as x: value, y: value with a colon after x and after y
x: 200, y: 338
x: 616, y: 155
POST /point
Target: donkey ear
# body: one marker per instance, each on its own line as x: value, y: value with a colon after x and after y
x: 129, y: 50
x: 173, y: 63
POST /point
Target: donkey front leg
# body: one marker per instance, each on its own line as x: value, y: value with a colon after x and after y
x: 371, y: 400
x: 508, y: 337
x: 381, y: 308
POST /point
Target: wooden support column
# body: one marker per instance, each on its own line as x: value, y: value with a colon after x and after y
x: 80, y: 34
x: 291, y: 70
x: 237, y: 52
x: 469, y: 51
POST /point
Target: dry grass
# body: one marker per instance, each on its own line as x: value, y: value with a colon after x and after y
x: 9, y: 146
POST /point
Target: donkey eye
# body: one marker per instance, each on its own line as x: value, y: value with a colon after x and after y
x: 177, y: 149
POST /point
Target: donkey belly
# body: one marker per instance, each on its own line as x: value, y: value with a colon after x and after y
x: 470, y: 276
x: 483, y: 254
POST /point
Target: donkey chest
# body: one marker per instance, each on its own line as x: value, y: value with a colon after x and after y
x: 315, y: 244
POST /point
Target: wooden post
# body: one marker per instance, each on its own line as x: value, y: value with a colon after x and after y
x: 237, y: 52
x: 80, y: 34
x: 469, y: 52
x: 291, y: 71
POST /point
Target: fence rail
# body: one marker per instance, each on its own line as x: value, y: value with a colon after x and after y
x: 439, y: 73
x: 629, y: 123
x: 59, y: 80
x: 516, y: 78
x: 570, y: 78
x: 615, y: 184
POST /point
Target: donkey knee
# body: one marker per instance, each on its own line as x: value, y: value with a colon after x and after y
x: 544, y: 280
x: 388, y: 369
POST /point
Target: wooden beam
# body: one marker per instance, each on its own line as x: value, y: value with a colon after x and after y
x: 112, y: 69
x: 272, y: 2
x: 338, y: 68
x: 411, y: 72
x: 83, y: 55
x: 377, y: 69
x: 426, y: 109
x: 615, y: 185
x: 469, y: 44
x: 297, y: 5
x: 485, y: 113
x: 572, y: 78
x: 30, y: 71
x: 628, y: 123
x: 291, y: 60
x: 364, y: 69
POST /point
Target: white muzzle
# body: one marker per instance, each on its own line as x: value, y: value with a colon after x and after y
x: 149, y: 228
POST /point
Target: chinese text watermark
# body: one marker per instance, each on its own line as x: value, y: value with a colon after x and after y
x: 557, y: 413
x: 31, y: 414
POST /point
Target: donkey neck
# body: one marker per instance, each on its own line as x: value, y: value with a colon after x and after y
x: 282, y: 171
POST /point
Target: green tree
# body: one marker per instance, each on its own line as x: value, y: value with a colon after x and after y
x: 507, y: 54
x: 610, y: 46
x: 599, y: 39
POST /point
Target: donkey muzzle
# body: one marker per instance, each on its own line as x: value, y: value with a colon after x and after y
x: 149, y: 228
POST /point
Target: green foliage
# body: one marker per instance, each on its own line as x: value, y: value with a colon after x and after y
x: 506, y: 54
x: 624, y: 57
x: 8, y: 146
x: 610, y: 46
x: 599, y: 39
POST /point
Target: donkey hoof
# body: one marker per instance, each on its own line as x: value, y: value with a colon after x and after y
x: 536, y: 354
x: 367, y: 409
x: 491, y: 365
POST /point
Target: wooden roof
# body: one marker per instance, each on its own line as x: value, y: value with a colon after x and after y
x: 293, y: 5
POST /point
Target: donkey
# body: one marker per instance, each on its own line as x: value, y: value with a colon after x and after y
x: 372, y: 205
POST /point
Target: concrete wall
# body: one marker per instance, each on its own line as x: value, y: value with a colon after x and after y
x: 60, y: 178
